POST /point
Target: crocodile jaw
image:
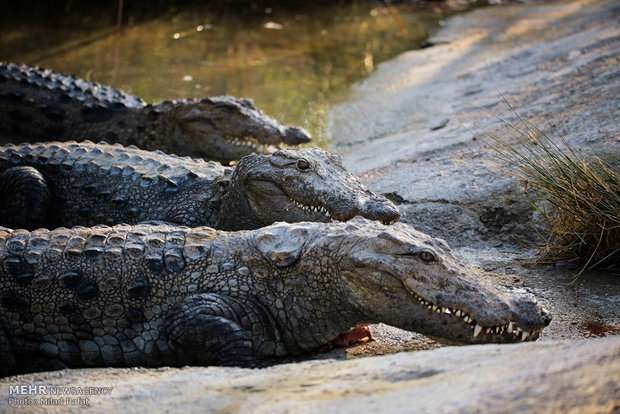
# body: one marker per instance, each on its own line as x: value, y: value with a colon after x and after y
x: 505, y: 331
x: 291, y: 210
x: 269, y: 203
x: 321, y: 210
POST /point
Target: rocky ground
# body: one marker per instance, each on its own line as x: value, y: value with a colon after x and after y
x: 413, y: 130
x: 577, y: 377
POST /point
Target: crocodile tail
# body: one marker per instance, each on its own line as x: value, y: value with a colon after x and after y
x: 24, y: 198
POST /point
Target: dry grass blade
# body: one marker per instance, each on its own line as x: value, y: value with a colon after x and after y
x: 582, y: 190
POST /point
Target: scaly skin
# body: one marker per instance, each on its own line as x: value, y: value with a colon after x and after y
x: 162, y: 295
x: 38, y: 104
x: 92, y: 184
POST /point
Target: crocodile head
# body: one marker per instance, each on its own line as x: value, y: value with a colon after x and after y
x: 226, y: 128
x: 307, y: 184
x: 405, y: 278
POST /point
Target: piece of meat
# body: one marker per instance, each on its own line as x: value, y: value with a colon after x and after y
x: 355, y: 335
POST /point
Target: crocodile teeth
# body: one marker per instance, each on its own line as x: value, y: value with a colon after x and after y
x: 248, y: 142
x: 508, y: 328
x: 312, y: 209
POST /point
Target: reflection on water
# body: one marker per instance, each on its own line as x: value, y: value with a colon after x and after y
x: 293, y: 64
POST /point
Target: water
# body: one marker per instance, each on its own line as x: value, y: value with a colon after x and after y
x: 294, y: 64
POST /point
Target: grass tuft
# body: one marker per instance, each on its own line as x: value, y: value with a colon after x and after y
x: 577, y: 193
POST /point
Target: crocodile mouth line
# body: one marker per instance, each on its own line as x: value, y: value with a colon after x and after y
x: 312, y: 209
x: 325, y: 212
x: 246, y: 142
x: 504, y: 329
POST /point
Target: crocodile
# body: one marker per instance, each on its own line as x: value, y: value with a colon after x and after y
x: 149, y: 295
x: 38, y: 104
x: 56, y: 184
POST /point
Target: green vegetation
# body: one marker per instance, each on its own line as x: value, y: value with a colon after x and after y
x: 576, y: 192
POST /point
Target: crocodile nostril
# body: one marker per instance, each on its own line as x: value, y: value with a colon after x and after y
x: 546, y: 315
x: 381, y: 209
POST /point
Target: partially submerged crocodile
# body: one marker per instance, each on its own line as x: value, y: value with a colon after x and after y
x: 38, y: 104
x: 164, y: 295
x: 66, y: 184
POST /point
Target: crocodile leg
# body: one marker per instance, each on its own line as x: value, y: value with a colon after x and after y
x: 24, y: 198
x: 11, y: 363
x: 209, y: 326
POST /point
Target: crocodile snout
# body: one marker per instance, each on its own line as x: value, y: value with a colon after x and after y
x: 296, y: 135
x: 380, y: 209
x: 530, y: 314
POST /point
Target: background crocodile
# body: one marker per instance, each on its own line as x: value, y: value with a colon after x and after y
x: 38, y: 104
x: 86, y: 184
x: 164, y: 295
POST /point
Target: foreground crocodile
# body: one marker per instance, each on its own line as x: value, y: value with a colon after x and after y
x: 66, y: 184
x: 38, y: 104
x: 164, y: 295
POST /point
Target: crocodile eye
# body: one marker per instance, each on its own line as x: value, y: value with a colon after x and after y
x: 303, y: 164
x: 427, y: 257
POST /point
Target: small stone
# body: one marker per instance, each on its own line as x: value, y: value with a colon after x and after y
x: 439, y: 124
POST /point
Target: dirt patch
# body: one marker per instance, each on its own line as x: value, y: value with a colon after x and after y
x: 592, y: 329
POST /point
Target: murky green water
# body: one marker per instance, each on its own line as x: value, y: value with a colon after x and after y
x: 294, y: 64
